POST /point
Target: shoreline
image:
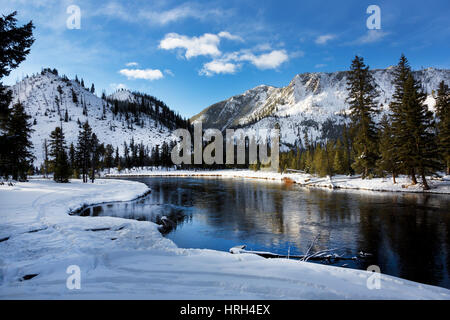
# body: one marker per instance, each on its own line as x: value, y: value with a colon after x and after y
x: 339, y: 182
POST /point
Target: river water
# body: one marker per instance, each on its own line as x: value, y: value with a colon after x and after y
x: 406, y: 235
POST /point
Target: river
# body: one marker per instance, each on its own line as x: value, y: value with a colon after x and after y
x: 406, y: 235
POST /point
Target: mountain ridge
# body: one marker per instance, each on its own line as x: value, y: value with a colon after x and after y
x: 309, y: 101
x: 47, y: 96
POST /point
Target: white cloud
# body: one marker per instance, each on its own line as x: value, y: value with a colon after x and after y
x: 323, y: 39
x: 184, y: 11
x: 218, y: 67
x: 155, y: 16
x: 271, y: 60
x: 229, y: 36
x: 320, y: 65
x: 147, y: 74
x: 372, y: 36
x: 206, y: 44
x: 132, y: 64
x: 169, y: 72
x: 229, y: 62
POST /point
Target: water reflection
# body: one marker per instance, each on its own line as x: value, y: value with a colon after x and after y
x: 407, y: 234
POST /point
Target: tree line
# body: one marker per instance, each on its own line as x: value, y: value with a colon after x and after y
x: 89, y: 156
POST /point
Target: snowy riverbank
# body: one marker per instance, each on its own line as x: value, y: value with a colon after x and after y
x: 441, y: 185
x: 121, y: 258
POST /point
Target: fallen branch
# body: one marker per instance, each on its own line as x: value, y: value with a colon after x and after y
x: 270, y: 255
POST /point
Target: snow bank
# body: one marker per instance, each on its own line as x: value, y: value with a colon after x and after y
x: 403, y: 184
x: 121, y: 258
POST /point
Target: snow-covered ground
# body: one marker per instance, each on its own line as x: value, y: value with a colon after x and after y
x: 130, y: 259
x: 437, y: 185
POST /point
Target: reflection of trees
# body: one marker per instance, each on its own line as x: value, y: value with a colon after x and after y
x: 408, y: 236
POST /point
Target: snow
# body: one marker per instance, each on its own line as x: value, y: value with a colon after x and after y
x: 437, y: 185
x: 38, y: 94
x: 140, y: 263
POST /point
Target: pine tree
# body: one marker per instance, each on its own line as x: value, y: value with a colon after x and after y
x: 338, y: 161
x: 388, y: 160
x: 74, y: 97
x: 84, y: 149
x: 95, y: 154
x: 402, y: 140
x: 443, y: 126
x: 419, y: 124
x: 59, y: 162
x: 362, y: 96
x: 18, y: 156
x: 92, y: 88
x: 46, y: 159
x: 109, y: 156
x: 73, y: 160
x: 15, y: 43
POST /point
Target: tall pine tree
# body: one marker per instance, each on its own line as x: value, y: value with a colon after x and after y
x: 17, y: 158
x: 84, y: 149
x: 402, y: 140
x: 15, y: 43
x: 419, y: 125
x: 59, y: 159
x: 362, y: 100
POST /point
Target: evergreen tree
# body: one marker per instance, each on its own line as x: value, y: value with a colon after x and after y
x: 95, y: 154
x: 59, y: 162
x: 109, y: 156
x: 126, y: 155
x: 46, y: 159
x: 74, y: 97
x: 419, y: 124
x: 92, y: 88
x: 15, y: 43
x: 388, y: 160
x: 18, y: 157
x: 362, y: 96
x: 402, y: 140
x: 443, y: 116
x: 338, y: 160
x: 84, y: 149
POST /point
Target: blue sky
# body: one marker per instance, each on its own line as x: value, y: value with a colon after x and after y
x: 193, y: 54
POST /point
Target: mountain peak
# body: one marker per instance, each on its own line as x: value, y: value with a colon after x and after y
x: 122, y: 95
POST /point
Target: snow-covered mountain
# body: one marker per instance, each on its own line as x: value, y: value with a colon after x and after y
x: 312, y: 103
x: 46, y: 97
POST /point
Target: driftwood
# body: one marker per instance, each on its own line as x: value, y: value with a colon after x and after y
x: 317, y: 256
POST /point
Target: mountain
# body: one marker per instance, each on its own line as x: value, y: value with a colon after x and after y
x: 114, y: 119
x: 312, y: 103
